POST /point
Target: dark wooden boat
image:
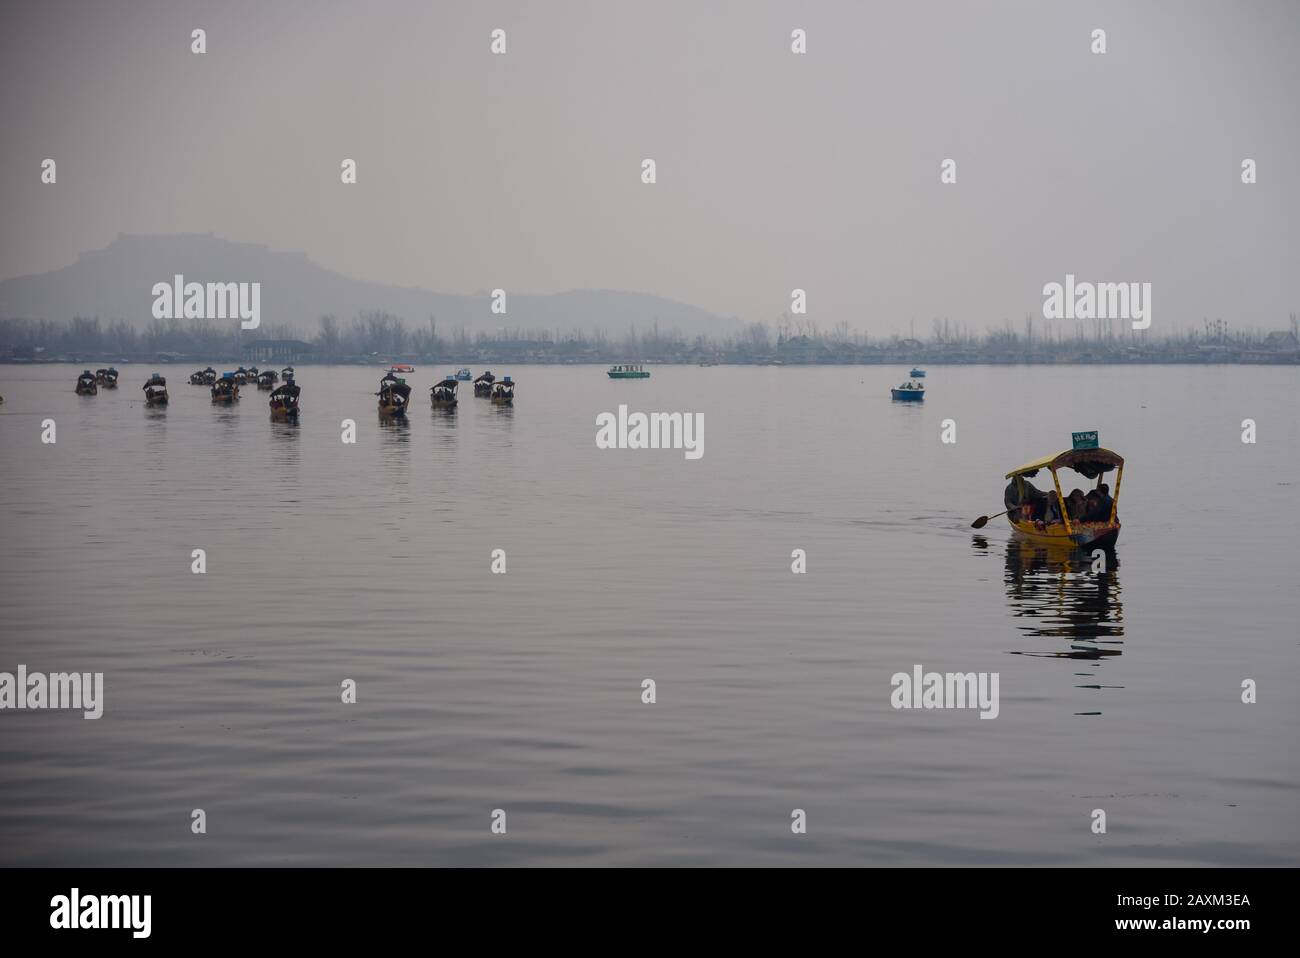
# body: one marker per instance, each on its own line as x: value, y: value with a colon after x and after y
x: 443, y: 395
x: 226, y: 389
x: 155, y: 391
x: 394, y: 396
x: 503, y: 392
x: 284, y: 401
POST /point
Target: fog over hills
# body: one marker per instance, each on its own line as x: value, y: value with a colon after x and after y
x: 116, y: 282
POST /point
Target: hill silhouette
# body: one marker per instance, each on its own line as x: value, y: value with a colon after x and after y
x: 116, y: 282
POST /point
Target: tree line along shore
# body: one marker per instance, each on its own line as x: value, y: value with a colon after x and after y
x: 382, y: 337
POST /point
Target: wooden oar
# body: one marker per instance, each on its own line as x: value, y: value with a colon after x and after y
x: 982, y: 521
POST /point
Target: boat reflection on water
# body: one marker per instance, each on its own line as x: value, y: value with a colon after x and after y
x: 395, y: 428
x: 1068, y: 595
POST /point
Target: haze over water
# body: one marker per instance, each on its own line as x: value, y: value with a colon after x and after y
x: 523, y: 691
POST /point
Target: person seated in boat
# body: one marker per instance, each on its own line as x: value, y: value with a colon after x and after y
x: 1075, y: 505
x: 1011, y: 498
x: 1101, y: 504
x: 1092, y: 510
x: 1016, y: 497
x: 1022, y: 498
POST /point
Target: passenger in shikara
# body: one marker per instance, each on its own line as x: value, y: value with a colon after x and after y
x: 1092, y: 512
x: 1011, y: 498
x: 1026, y: 506
x: 1075, y: 504
x: 1104, y: 503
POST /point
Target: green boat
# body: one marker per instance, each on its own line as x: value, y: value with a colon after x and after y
x: 627, y: 372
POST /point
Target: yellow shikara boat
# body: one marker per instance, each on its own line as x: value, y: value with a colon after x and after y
x: 1049, y: 518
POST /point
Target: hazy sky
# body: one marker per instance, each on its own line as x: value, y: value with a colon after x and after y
x: 775, y: 171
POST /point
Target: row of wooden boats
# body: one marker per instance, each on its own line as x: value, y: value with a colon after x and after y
x: 620, y: 371
x: 395, y: 394
x: 266, y: 379
x: 88, y: 383
x: 283, y: 400
x: 224, y: 388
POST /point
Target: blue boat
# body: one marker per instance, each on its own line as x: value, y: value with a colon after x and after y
x: 917, y: 372
x: 464, y: 375
x: 908, y: 392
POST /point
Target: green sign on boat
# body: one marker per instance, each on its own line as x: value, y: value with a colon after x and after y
x: 1084, y: 440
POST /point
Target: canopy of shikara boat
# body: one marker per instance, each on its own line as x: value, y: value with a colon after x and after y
x: 1087, y: 462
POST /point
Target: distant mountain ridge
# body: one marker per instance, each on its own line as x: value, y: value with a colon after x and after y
x: 116, y: 282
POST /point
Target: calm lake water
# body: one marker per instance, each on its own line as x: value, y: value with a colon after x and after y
x: 475, y: 691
